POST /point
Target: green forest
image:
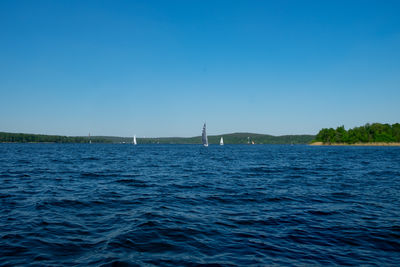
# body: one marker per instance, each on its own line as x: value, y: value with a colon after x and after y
x: 234, y: 138
x: 41, y: 138
x: 369, y: 133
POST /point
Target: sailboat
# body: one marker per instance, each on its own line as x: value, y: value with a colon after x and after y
x: 204, y: 138
x: 221, y: 142
x: 134, y: 140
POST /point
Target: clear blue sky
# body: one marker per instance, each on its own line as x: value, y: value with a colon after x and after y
x: 162, y: 68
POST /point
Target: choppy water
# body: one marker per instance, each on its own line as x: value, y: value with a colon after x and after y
x: 174, y: 205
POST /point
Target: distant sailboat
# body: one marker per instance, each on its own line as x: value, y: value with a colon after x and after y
x: 221, y: 142
x: 204, y: 138
x: 134, y: 140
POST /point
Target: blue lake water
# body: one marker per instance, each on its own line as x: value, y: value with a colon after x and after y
x: 172, y: 205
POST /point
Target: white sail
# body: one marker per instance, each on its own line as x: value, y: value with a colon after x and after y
x: 134, y: 140
x: 221, y: 142
x: 204, y: 138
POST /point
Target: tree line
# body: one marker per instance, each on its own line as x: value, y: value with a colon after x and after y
x: 234, y: 138
x: 41, y: 138
x: 375, y: 132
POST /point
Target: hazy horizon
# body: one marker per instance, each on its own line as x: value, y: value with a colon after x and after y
x: 162, y: 68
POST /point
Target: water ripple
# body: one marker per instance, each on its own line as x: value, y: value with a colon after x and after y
x: 180, y: 205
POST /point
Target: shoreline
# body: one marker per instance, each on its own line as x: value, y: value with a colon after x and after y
x: 356, y: 144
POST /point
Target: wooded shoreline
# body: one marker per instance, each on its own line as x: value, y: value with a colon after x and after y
x: 232, y: 138
x: 375, y: 134
x: 355, y: 144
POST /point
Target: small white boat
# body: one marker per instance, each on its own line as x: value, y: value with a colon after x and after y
x: 204, y: 138
x: 134, y: 140
x: 221, y: 142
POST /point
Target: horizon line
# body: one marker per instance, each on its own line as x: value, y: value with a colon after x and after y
x: 143, y: 137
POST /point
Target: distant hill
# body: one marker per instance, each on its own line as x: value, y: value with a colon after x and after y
x: 233, y: 138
